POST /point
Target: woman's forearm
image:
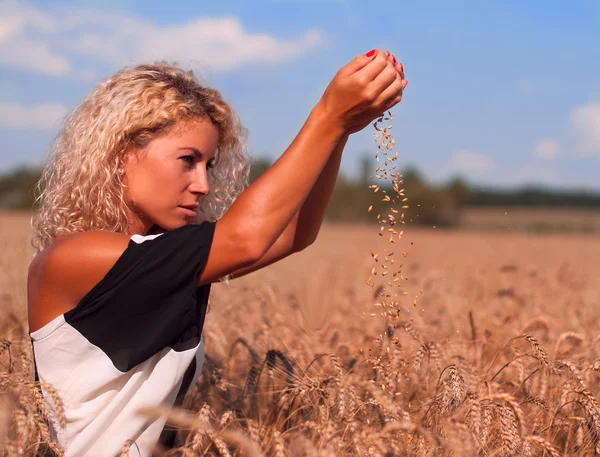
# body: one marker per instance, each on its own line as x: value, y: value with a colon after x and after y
x: 265, y: 209
x: 312, y: 213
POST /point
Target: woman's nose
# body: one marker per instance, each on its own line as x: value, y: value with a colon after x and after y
x: 200, y: 183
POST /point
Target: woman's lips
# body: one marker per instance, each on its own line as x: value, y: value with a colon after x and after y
x: 188, y: 212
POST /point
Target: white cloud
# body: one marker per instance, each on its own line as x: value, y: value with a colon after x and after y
x: 36, y: 40
x: 585, y: 120
x: 223, y: 44
x: 547, y: 149
x: 19, y: 49
x: 34, y: 56
x: 470, y: 162
x: 36, y: 117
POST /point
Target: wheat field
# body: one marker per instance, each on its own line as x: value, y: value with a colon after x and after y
x: 493, y: 351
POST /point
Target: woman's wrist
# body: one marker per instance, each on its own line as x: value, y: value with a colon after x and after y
x: 319, y: 115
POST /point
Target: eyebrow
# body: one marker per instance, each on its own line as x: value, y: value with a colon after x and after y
x: 196, y: 151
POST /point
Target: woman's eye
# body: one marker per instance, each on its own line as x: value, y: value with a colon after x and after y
x: 188, y: 159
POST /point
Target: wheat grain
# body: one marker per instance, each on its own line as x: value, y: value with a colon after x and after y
x: 540, y: 352
x: 278, y: 445
x: 453, y: 390
x: 545, y: 445
x: 331, y: 407
x: 57, y: 403
x: 221, y: 447
x: 509, y: 431
x: 227, y: 418
x: 592, y: 410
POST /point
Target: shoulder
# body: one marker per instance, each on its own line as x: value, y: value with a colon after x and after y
x: 70, y: 254
x: 64, y: 272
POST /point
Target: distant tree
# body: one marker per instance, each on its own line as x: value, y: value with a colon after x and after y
x: 366, y: 170
x: 430, y: 206
x: 459, y: 189
x: 349, y: 201
x: 427, y: 204
x: 258, y: 167
x: 412, y: 178
x: 17, y: 188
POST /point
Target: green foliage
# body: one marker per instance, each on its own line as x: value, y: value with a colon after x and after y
x: 258, y: 167
x: 17, y: 188
x: 429, y: 205
x: 349, y: 201
x: 460, y: 191
x: 535, y: 196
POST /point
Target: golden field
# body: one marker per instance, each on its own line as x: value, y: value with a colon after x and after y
x: 493, y: 351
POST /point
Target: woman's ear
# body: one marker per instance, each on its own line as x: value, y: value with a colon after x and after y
x: 121, y: 175
x: 125, y: 164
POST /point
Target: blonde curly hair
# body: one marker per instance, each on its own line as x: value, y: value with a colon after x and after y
x: 80, y: 188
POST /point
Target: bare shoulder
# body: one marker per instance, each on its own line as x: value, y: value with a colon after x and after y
x: 63, y: 273
x: 80, y: 253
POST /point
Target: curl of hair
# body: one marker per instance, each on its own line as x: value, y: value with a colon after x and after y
x: 80, y: 188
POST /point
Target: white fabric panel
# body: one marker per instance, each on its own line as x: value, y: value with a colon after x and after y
x: 100, y: 402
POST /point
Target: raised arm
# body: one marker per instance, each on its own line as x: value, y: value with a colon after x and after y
x: 359, y: 93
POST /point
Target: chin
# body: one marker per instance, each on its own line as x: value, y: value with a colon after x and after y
x: 178, y: 224
x: 186, y: 221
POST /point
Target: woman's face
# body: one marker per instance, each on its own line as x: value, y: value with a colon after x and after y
x: 169, y: 174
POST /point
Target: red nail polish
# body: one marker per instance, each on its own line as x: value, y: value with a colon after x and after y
x: 370, y: 53
x: 387, y: 53
x: 394, y: 57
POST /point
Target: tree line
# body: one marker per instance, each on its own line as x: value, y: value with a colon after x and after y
x: 429, y: 204
x: 438, y: 205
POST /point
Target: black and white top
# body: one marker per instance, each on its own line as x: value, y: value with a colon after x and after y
x: 134, y: 341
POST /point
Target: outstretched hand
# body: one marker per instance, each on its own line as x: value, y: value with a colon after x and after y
x: 400, y: 69
x: 363, y: 90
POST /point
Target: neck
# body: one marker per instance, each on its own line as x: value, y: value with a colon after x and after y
x: 139, y: 224
x: 155, y: 229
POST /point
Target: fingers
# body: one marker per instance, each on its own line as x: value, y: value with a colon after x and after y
x: 397, y: 65
x: 356, y: 64
x: 382, y: 74
x: 384, y: 79
x: 381, y: 77
x: 377, y: 58
x: 400, y: 69
x: 370, y: 71
x: 391, y: 95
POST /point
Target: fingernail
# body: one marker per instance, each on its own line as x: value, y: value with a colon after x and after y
x: 387, y: 53
x: 402, y: 68
x: 371, y: 53
x: 394, y: 57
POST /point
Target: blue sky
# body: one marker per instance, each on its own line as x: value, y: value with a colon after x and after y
x: 504, y: 93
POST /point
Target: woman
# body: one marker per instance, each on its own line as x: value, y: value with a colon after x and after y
x: 130, y: 236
